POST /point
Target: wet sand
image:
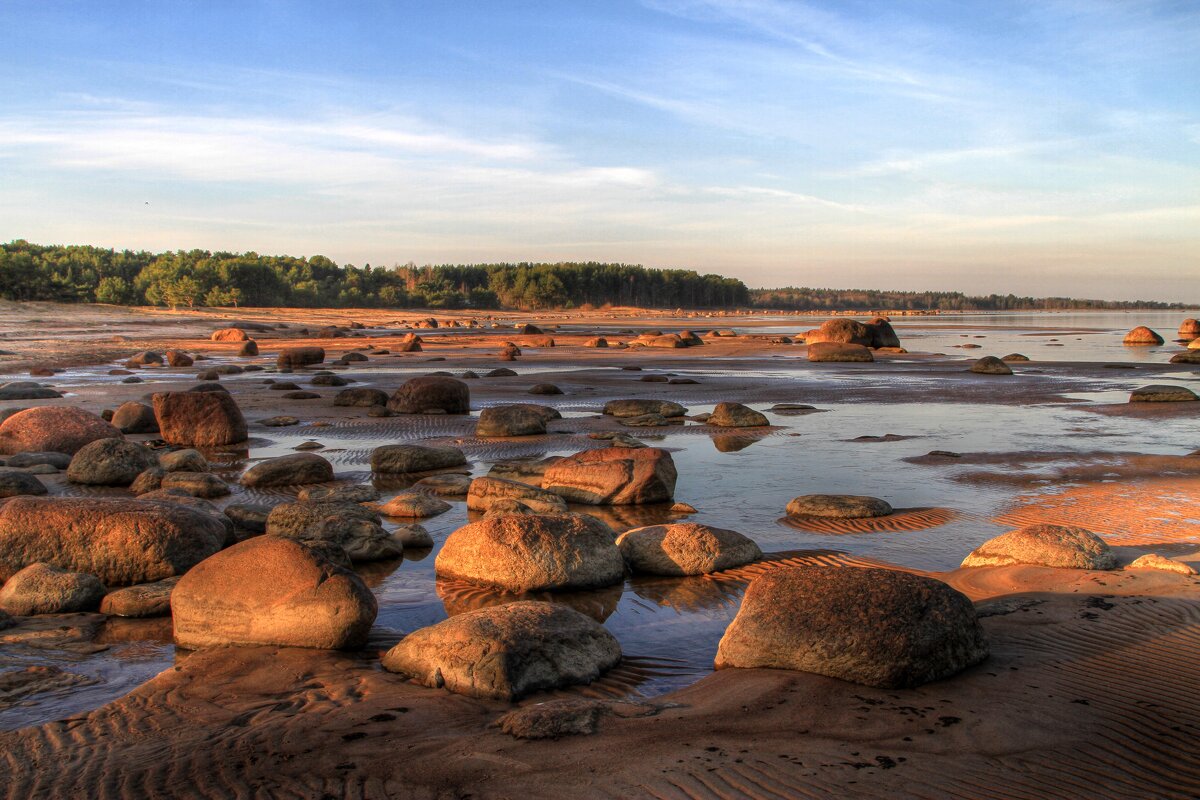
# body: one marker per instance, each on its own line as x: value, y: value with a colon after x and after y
x: 1090, y: 690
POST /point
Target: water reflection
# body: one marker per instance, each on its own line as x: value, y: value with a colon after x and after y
x: 458, y: 597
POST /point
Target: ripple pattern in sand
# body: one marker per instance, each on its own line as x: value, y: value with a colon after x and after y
x: 901, y: 520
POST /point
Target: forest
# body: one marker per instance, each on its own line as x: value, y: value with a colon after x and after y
x: 187, y: 279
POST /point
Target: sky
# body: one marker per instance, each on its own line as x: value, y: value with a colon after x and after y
x: 1049, y: 147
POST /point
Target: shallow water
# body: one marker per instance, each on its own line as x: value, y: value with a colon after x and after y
x: 669, y: 629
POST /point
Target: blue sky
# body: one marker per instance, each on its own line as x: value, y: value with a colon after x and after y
x: 1035, y: 147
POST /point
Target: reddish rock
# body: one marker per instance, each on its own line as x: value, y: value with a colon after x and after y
x: 613, y: 476
x: 199, y: 419
x: 431, y: 394
x: 61, y: 429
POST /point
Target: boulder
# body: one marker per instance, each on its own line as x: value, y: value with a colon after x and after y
x: 248, y: 348
x: 197, y: 484
x: 1162, y: 393
x: 289, y: 470
x: 177, y: 358
x: 486, y: 491
x: 544, y: 388
x: 1189, y: 329
x: 882, y: 334
x: 146, y: 357
x: 843, y: 331
x: 506, y: 652
x: 685, y: 548
x: 294, y: 357
x: 638, y: 408
x: 839, y: 353
x: 431, y: 394
x: 524, y: 553
x: 500, y: 372
x: 271, y: 591
x: 1141, y: 336
x: 990, y: 365
x: 120, y: 541
x: 516, y: 419
x: 406, y: 458
x: 188, y: 460
x: 1044, y: 545
x: 143, y: 600
x: 1155, y: 561
x: 14, y: 483
x: 736, y: 415
x: 878, y: 627
x: 1014, y: 358
x: 110, y: 462
x: 11, y: 391
x: 149, y: 480
x: 360, y: 397
x: 596, y: 341
x: 838, y: 506
x: 199, y: 419
x: 447, y: 485
x: 61, y: 429
x: 413, y: 536
x: 537, y: 341
x: 134, y: 417
x: 45, y: 589
x: 352, y: 527
x: 1187, y: 356
x: 229, y: 335
x: 413, y: 505
x: 614, y: 476
x: 51, y: 458
x: 669, y: 341
x: 329, y: 380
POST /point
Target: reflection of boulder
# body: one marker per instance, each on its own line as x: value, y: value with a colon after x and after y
x: 374, y: 573
x: 688, y: 594
x: 731, y: 443
x: 621, y: 518
x: 461, y: 596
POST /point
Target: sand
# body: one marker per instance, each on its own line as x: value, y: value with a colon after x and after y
x: 1091, y: 689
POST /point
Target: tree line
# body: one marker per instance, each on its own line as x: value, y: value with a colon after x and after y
x: 85, y: 274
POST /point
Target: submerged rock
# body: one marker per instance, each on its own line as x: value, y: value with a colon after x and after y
x: 836, y: 352
x: 290, y: 470
x: 639, y: 408
x: 408, y: 458
x: 1162, y: 393
x: 838, y: 506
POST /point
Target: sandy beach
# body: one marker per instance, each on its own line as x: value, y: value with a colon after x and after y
x: 1089, y: 690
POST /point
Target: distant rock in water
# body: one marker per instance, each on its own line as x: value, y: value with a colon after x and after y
x: 1142, y: 336
x: 736, y: 415
x: 1014, y: 358
x: 1189, y: 329
x: 1162, y: 393
x: 990, y: 365
x: 229, y: 335
x: 431, y: 394
x: 877, y: 627
x: 293, y: 357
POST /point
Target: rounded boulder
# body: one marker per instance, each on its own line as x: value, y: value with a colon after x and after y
x: 61, y: 429
x: 685, y: 548
x: 838, y: 506
x: 430, y: 395
x: 1056, y: 546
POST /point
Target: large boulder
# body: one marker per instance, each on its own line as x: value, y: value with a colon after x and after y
x: 842, y: 331
x: 736, y: 415
x: 882, y: 333
x: 505, y: 652
x: 229, y: 335
x: 1189, y: 329
x: 1162, y: 393
x: 360, y: 397
x: 406, y: 458
x: 289, y: 470
x: 353, y: 527
x: 119, y: 541
x: 432, y: 394
x: 110, y: 462
x: 45, y: 589
x: 685, y: 548
x: 613, y: 476
x: 838, y: 506
x: 486, y: 491
x: 271, y: 591
x: 135, y: 417
x: 877, y: 627
x: 837, y: 352
x: 1141, y: 336
x: 199, y: 419
x: 293, y: 357
x: 524, y: 553
x: 639, y: 408
x: 517, y: 419
x: 61, y: 429
x: 990, y: 365
x: 14, y: 483
x: 1057, y: 546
